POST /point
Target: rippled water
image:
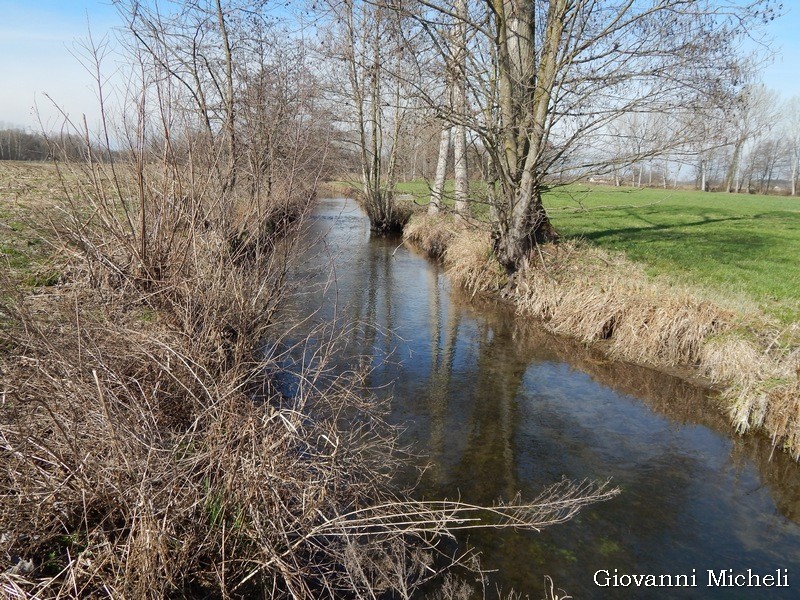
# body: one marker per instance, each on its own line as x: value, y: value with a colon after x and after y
x: 499, y: 406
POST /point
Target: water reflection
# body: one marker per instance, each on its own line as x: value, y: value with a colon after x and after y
x: 500, y: 406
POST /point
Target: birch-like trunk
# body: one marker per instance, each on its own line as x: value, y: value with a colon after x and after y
x: 437, y: 192
x: 703, y: 186
x: 733, y: 169
x: 461, y: 174
x: 460, y: 106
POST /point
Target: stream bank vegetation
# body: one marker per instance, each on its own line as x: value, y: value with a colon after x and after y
x: 148, y: 450
x: 602, y: 297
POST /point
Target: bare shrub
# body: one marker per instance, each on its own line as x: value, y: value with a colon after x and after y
x: 131, y: 470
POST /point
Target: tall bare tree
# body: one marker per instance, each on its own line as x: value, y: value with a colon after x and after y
x: 454, y: 132
x: 552, y: 76
x: 754, y: 112
x: 369, y: 55
x: 791, y: 111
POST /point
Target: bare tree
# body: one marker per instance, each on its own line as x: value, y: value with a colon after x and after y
x: 764, y: 163
x: 552, y: 76
x: 454, y: 133
x: 791, y: 111
x: 754, y: 112
x: 460, y: 106
x: 370, y: 55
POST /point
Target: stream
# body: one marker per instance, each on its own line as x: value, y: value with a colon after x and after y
x: 498, y: 406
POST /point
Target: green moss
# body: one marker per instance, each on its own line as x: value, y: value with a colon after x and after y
x: 608, y: 547
x: 43, y: 278
x: 15, y: 257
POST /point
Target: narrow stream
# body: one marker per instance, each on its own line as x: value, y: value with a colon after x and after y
x: 498, y: 406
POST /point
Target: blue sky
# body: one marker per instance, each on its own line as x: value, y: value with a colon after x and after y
x: 37, y: 42
x: 38, y: 37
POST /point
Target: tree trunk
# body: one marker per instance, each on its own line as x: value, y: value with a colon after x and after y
x: 437, y: 193
x: 460, y: 106
x: 461, y: 175
x: 230, y: 122
x: 513, y: 245
x: 733, y: 169
x: 525, y: 92
x: 703, y: 186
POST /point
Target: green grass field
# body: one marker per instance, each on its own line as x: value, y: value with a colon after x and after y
x: 737, y: 245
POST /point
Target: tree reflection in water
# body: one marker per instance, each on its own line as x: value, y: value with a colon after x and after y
x: 499, y: 406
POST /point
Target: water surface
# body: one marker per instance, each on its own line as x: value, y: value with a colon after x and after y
x: 499, y: 407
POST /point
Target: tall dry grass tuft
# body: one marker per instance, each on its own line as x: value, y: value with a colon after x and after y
x: 762, y: 385
x: 581, y: 292
x: 432, y: 235
x: 470, y: 261
x: 466, y: 251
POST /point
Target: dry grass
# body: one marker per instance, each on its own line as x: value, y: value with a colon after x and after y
x: 131, y: 470
x: 146, y: 450
x: 466, y: 251
x: 471, y: 263
x: 432, y: 235
x: 586, y: 293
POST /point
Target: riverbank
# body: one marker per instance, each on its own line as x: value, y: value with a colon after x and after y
x: 147, y: 450
x: 604, y: 299
x: 157, y: 436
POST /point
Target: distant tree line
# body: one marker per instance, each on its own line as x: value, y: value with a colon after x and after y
x: 751, y: 145
x: 18, y: 144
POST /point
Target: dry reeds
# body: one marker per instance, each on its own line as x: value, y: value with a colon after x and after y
x: 430, y: 234
x: 580, y: 293
x: 131, y: 471
x: 466, y: 252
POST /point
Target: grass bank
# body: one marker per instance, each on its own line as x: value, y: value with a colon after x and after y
x: 741, y: 247
x: 744, y: 341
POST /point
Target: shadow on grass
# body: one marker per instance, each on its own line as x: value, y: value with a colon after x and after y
x: 639, y: 232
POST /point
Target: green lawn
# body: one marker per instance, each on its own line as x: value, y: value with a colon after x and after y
x: 734, y: 243
x: 421, y: 190
x: 738, y: 245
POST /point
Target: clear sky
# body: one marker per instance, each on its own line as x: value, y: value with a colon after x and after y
x: 783, y: 75
x: 38, y: 39
x: 37, y: 42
